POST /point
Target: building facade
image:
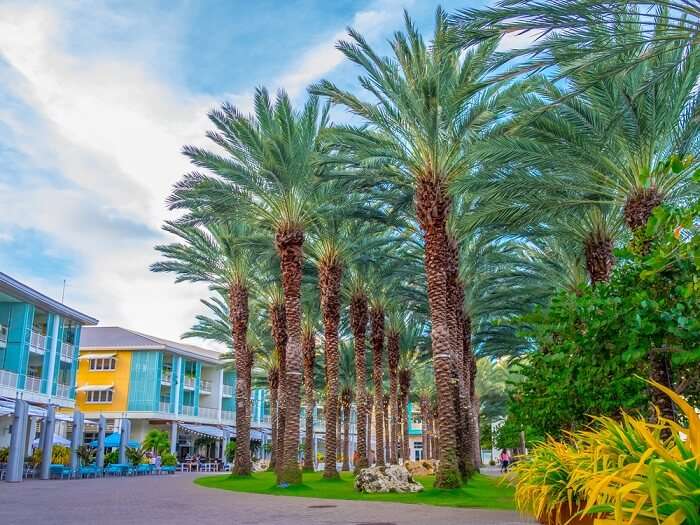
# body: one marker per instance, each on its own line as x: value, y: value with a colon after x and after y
x: 39, y: 347
x: 157, y: 383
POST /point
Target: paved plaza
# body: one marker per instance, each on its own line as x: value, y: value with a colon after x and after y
x: 175, y: 499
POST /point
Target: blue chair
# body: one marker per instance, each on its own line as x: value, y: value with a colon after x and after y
x: 169, y: 469
x: 88, y: 471
x: 143, y: 469
x: 60, y: 471
x: 117, y: 469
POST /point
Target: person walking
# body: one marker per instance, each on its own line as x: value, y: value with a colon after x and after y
x: 505, y: 461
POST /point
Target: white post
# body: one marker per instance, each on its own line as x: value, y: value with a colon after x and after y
x: 173, y: 437
x: 31, y: 434
x: 15, y: 463
x: 76, y: 440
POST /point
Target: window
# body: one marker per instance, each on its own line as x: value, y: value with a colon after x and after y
x: 107, y: 363
x: 98, y: 396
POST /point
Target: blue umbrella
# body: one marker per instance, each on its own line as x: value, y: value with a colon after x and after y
x: 112, y: 441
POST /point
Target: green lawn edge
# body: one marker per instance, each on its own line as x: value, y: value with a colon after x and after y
x: 484, y: 492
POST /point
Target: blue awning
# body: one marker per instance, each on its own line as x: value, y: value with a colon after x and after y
x: 112, y: 441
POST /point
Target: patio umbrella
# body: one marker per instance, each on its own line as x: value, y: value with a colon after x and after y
x: 112, y: 441
x: 57, y: 440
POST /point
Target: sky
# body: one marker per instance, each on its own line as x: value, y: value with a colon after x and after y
x: 97, y: 100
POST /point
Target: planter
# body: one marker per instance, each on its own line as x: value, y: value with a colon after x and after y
x: 565, y: 516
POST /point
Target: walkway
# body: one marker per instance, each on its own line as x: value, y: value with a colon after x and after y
x: 174, y: 499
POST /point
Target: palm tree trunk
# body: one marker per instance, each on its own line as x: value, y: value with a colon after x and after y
x: 470, y: 371
x: 358, y: 324
x: 309, y: 343
x: 289, y: 244
x: 393, y: 353
x: 599, y: 258
x: 404, y: 389
x: 425, y: 427
x: 273, y: 382
x: 339, y: 432
x: 432, y: 206
x: 377, y: 324
x: 238, y: 311
x: 278, y: 322
x: 329, y: 283
x: 368, y: 416
x: 346, y: 432
x: 387, y: 434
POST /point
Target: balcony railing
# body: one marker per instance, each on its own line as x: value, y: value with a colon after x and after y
x: 166, y: 376
x: 228, y: 391
x: 189, y: 382
x: 228, y: 415
x: 67, y: 352
x: 8, y: 379
x: 3, y: 336
x: 164, y: 407
x: 187, y: 410
x: 205, y: 386
x: 63, y: 391
x: 37, y: 342
x: 210, y: 413
x: 33, y: 384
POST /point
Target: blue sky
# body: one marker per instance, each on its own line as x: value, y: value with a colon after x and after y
x: 96, y: 100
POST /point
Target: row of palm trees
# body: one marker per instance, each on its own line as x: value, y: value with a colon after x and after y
x: 480, y: 183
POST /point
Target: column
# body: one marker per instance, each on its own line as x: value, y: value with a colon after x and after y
x: 47, y: 433
x: 173, y: 437
x: 31, y: 434
x: 52, y: 355
x: 15, y: 462
x: 123, y: 440
x: 221, y: 395
x: 100, y: 456
x: 76, y: 440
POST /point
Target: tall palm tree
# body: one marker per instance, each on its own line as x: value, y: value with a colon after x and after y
x: 272, y: 162
x: 347, y: 390
x: 212, y: 255
x: 393, y: 347
x: 572, y: 35
x: 309, y: 348
x: 377, y: 317
x: 430, y: 104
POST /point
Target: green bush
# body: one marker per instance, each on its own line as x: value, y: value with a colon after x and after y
x: 4, y: 454
x: 135, y: 456
x: 112, y: 457
x: 168, y: 460
x: 230, y: 451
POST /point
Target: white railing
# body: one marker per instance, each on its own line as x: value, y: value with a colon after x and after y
x: 210, y: 413
x: 37, y: 342
x: 8, y: 378
x: 205, y: 386
x: 228, y: 415
x: 164, y: 407
x: 67, y: 352
x: 3, y: 336
x: 33, y: 384
x: 63, y: 391
x: 189, y: 382
x: 187, y: 410
x: 228, y: 391
x: 166, y: 377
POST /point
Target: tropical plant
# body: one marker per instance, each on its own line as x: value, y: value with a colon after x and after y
x: 86, y: 454
x: 111, y: 457
x: 135, y: 456
x: 168, y: 460
x: 156, y: 441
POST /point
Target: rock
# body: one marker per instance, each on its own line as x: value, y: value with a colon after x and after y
x: 261, y: 465
x: 425, y: 467
x: 393, y: 478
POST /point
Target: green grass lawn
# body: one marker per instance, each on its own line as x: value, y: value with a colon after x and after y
x: 481, y: 491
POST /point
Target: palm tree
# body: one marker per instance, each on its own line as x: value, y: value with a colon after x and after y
x: 278, y: 327
x: 393, y: 336
x: 157, y: 441
x: 347, y: 390
x: 212, y: 255
x: 573, y: 35
x: 376, y: 315
x: 429, y: 99
x: 269, y: 175
x: 358, y: 321
x: 309, y: 346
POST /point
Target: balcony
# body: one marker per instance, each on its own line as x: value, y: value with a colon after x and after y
x: 37, y: 343
x: 205, y: 387
x: 33, y: 384
x: 164, y: 407
x: 67, y: 352
x: 228, y: 415
x: 8, y: 379
x: 3, y: 336
x: 228, y: 391
x: 189, y: 382
x: 209, y: 413
x: 166, y: 376
x: 187, y: 410
x: 63, y: 391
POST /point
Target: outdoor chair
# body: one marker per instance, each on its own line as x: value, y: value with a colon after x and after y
x: 143, y: 469
x: 88, y: 471
x: 117, y: 469
x: 60, y: 471
x: 169, y: 469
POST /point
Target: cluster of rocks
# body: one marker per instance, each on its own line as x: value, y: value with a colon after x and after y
x: 424, y: 467
x: 392, y: 478
x: 261, y: 465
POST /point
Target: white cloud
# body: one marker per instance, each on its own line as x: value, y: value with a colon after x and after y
x: 113, y: 130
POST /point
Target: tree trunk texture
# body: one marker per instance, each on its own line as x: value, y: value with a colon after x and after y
x: 432, y: 207
x: 660, y: 371
x: 371, y: 456
x: 470, y: 369
x: 387, y: 434
x: 599, y: 259
x: 425, y: 427
x: 346, y: 399
x: 309, y: 343
x: 358, y: 324
x: 238, y: 311
x: 273, y: 382
x: 393, y: 354
x: 330, y: 275
x: 404, y: 390
x: 278, y: 322
x: 289, y: 244
x: 377, y: 325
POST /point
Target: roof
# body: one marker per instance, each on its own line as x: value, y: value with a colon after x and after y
x: 24, y: 293
x: 116, y: 337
